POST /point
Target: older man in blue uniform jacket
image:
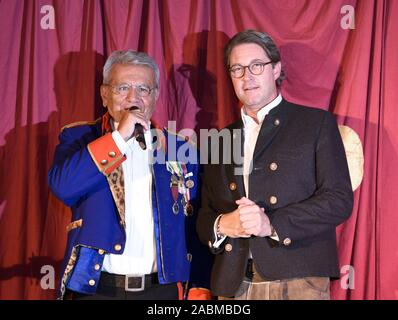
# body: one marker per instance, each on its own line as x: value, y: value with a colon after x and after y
x: 132, y: 234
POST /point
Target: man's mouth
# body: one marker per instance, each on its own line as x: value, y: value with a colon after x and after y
x: 133, y: 107
x: 250, y: 88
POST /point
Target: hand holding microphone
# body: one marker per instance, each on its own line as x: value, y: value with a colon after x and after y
x: 138, y: 134
x: 133, y: 125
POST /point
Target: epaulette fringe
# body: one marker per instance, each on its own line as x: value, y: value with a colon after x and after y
x: 79, y: 123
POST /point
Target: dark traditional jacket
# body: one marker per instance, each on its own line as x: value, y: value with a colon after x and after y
x: 300, y: 177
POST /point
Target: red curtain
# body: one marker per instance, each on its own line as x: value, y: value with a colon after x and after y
x: 52, y: 53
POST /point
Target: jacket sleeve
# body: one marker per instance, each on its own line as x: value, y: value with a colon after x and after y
x: 207, y: 214
x: 79, y: 168
x: 332, y: 200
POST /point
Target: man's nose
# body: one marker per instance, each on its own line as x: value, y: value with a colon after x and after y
x: 247, y: 74
x: 132, y: 94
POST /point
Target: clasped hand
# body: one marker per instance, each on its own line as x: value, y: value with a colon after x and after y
x: 247, y: 220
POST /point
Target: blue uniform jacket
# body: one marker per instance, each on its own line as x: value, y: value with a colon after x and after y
x: 96, y: 227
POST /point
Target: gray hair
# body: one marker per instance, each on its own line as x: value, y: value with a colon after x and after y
x: 130, y: 57
x: 259, y: 38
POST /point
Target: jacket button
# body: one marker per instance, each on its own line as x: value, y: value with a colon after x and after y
x: 228, y: 247
x: 112, y: 154
x: 117, y: 247
x: 273, y: 166
x: 104, y: 161
x: 273, y: 200
x: 287, y: 242
x: 189, y: 257
x: 91, y: 282
x: 232, y: 186
x: 210, y: 244
x: 97, y: 267
x: 277, y: 122
x: 101, y: 252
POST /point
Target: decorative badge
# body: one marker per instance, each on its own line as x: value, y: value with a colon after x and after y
x: 179, y: 185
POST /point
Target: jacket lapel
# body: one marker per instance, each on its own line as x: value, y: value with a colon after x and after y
x: 272, y: 123
x: 234, y: 171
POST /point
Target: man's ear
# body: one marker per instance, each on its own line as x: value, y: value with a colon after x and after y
x: 157, y: 92
x: 104, y: 95
x: 277, y: 70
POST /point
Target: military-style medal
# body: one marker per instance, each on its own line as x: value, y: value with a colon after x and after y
x: 174, y: 191
x: 181, y: 187
x: 175, y: 207
x: 188, y: 210
x: 180, y: 182
x: 189, y: 183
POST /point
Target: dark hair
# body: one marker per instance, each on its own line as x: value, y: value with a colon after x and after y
x: 259, y: 38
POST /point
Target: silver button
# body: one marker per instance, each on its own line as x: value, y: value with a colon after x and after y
x: 273, y: 200
x: 112, y: 154
x: 273, y: 166
x: 104, y: 161
x: 287, y: 242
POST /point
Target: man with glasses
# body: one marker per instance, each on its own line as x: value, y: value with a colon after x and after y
x: 132, y: 234
x: 272, y: 228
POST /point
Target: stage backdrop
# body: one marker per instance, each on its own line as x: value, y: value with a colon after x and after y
x: 338, y: 55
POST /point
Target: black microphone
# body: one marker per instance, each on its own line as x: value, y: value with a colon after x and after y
x: 138, y: 134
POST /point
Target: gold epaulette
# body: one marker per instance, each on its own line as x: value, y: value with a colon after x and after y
x: 79, y: 123
x: 185, y: 138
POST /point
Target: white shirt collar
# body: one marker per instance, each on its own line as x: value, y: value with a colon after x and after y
x: 262, y: 112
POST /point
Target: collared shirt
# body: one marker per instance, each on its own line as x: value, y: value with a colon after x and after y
x: 251, y: 130
x: 139, y: 255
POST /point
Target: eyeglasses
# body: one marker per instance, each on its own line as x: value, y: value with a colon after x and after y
x: 256, y: 68
x: 124, y: 88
